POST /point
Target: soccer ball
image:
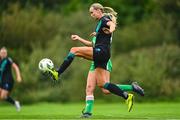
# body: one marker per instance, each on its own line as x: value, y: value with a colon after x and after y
x: 45, y: 64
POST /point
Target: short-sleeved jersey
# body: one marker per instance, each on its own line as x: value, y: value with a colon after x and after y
x: 5, y: 70
x: 101, y: 37
x: 102, y: 45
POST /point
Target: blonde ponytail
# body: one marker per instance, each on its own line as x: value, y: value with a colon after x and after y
x: 110, y: 12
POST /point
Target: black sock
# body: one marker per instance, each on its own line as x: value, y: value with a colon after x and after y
x: 10, y: 100
x: 115, y: 90
x: 67, y: 61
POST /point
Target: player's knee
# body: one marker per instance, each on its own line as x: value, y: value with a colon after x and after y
x: 89, y: 89
x: 74, y: 50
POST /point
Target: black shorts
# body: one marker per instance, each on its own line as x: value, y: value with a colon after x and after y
x: 101, y: 56
x: 7, y: 86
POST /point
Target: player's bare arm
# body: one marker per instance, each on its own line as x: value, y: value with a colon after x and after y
x: 17, y: 71
x: 83, y: 41
x: 111, y: 29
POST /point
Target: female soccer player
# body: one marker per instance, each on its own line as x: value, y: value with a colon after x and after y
x: 99, y: 52
x: 91, y: 83
x: 6, y: 78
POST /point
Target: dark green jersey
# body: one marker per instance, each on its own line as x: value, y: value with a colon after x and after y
x: 5, y: 70
x: 101, y: 37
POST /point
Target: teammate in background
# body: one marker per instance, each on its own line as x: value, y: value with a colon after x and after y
x: 6, y: 78
x: 98, y: 52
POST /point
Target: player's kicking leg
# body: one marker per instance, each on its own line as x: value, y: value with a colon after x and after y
x: 84, y: 52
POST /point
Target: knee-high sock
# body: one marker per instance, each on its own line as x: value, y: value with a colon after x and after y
x: 67, y: 61
x: 115, y: 90
x: 89, y: 104
x: 125, y: 87
x: 10, y: 100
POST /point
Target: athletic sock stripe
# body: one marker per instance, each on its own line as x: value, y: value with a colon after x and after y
x: 89, y: 97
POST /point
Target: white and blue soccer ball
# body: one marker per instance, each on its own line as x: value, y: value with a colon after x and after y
x: 45, y: 64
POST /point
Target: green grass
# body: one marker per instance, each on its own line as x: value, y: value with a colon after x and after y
x: 101, y: 111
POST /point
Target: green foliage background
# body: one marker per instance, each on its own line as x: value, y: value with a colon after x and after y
x: 145, y: 46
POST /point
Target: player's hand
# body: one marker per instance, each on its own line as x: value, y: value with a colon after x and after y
x: 75, y: 37
x: 93, y: 34
x: 106, y: 30
x: 19, y: 79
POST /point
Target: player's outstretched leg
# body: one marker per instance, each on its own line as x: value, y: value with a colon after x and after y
x: 133, y: 87
x: 66, y: 63
x: 117, y: 91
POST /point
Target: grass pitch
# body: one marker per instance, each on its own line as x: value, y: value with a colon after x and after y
x: 158, y: 111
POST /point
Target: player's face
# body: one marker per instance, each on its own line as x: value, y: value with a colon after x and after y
x: 95, y: 13
x: 3, y: 53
